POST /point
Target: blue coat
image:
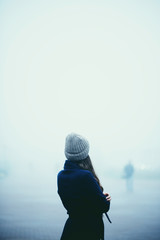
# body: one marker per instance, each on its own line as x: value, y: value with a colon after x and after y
x: 84, y: 201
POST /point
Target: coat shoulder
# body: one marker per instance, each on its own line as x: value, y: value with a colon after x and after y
x: 84, y: 176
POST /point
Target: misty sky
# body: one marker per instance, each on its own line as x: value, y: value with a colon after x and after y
x: 90, y: 67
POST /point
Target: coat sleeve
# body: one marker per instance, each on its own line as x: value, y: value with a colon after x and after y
x: 94, y: 193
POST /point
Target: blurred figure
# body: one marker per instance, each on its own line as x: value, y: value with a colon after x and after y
x: 4, y: 165
x: 128, y: 175
x: 3, y: 173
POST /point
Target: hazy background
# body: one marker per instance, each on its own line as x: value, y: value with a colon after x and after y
x: 90, y: 67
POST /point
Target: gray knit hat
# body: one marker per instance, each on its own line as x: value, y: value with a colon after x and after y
x: 76, y: 147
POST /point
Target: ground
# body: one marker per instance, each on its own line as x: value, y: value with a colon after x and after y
x: 32, y: 210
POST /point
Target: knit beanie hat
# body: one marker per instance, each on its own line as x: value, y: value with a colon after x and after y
x: 76, y: 147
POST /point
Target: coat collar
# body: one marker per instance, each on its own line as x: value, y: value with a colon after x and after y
x: 71, y: 165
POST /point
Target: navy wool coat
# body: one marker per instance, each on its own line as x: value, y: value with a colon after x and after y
x: 84, y: 201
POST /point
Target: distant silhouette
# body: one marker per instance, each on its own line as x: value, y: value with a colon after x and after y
x: 128, y: 175
x: 4, y: 166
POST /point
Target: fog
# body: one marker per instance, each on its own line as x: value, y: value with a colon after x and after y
x: 90, y: 67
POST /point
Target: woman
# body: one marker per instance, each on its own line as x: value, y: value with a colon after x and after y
x: 81, y: 193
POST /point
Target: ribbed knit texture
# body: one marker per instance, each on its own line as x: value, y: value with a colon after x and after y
x: 76, y: 147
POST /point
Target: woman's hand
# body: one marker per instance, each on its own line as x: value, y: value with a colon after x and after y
x: 108, y: 197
